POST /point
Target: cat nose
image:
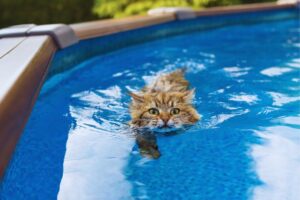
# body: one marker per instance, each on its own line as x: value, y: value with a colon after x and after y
x: 165, y: 120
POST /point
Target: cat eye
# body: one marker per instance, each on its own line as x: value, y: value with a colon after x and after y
x: 153, y: 111
x: 175, y: 111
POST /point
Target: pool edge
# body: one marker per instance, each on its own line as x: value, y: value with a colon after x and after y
x: 22, y: 89
x: 87, y: 30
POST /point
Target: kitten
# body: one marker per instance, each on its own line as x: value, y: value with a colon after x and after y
x: 165, y: 105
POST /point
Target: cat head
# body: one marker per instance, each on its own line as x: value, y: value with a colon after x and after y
x: 163, y: 111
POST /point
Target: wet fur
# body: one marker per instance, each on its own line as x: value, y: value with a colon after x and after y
x: 167, y: 92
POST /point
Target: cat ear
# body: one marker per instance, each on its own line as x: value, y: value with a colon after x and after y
x: 136, y: 98
x: 188, y: 95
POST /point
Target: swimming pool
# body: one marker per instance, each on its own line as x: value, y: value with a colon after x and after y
x: 77, y: 144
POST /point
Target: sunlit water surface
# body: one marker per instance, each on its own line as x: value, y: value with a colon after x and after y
x: 77, y: 144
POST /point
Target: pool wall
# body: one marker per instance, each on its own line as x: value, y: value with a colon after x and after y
x: 25, y: 61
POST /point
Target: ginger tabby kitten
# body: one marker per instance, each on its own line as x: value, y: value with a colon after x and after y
x: 165, y: 105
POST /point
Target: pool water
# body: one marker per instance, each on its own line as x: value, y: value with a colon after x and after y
x: 77, y: 144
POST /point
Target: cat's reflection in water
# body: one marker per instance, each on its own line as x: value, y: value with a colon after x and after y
x: 147, y: 142
x: 148, y: 146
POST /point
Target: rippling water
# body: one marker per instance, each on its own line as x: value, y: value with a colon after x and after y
x: 77, y: 144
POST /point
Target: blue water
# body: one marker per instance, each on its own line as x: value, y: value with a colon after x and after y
x: 77, y: 144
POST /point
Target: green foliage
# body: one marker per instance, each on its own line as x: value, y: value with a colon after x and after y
x: 212, y: 3
x: 121, y: 8
x: 141, y: 7
x: 45, y: 11
x: 256, y: 1
x: 69, y: 11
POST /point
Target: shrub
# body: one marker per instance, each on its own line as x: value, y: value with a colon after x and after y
x: 120, y: 8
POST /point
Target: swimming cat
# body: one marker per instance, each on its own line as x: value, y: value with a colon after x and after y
x: 163, y: 106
